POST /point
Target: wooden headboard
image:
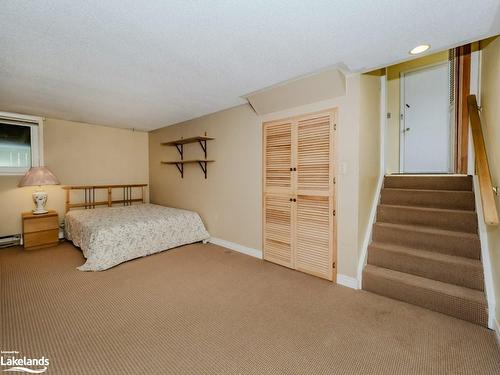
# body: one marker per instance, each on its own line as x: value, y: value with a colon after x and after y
x: 90, y: 195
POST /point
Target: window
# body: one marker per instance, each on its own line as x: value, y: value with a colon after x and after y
x: 20, y: 143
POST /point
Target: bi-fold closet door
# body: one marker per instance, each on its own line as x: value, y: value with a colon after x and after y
x: 299, y: 193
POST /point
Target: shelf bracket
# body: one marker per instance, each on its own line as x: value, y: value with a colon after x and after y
x: 203, y: 166
x: 180, y: 167
x: 203, y: 144
x: 180, y: 148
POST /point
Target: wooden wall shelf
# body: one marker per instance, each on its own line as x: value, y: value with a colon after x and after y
x: 187, y: 161
x: 184, y: 141
x: 179, y: 145
x: 180, y: 164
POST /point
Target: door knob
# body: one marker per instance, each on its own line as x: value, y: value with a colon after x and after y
x: 407, y: 130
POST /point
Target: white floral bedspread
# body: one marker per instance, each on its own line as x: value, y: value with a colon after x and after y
x: 112, y: 235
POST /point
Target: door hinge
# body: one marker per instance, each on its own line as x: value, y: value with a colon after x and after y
x: 334, y: 180
x: 334, y: 212
x: 333, y: 265
x: 334, y: 126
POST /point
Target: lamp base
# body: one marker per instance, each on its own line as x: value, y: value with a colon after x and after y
x: 40, y: 199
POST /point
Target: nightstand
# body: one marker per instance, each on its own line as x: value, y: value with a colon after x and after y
x: 40, y: 230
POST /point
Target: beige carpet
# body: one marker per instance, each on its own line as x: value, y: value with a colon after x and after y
x: 202, y: 309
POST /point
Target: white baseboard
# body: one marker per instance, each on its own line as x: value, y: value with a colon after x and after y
x: 368, y: 231
x: 489, y: 286
x: 236, y: 247
x: 497, y: 331
x: 348, y: 281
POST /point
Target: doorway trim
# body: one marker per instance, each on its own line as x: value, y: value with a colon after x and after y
x: 463, y: 68
x: 402, y: 119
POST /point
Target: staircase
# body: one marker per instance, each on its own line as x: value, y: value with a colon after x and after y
x: 425, y: 248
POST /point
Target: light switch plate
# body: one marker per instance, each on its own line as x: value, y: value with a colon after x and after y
x: 343, y: 167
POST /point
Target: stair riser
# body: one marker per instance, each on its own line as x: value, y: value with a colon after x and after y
x: 441, y: 243
x: 457, y: 200
x: 459, y: 308
x: 450, y: 220
x: 429, y: 183
x: 458, y: 274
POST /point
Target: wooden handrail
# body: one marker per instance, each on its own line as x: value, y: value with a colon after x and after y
x: 482, y: 167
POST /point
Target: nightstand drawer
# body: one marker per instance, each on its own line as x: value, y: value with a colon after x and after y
x: 45, y: 237
x: 42, y: 223
x: 40, y: 230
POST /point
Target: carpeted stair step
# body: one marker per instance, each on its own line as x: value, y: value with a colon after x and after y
x: 429, y: 182
x: 441, y: 267
x: 430, y: 239
x: 456, y: 220
x: 447, y: 199
x: 463, y: 303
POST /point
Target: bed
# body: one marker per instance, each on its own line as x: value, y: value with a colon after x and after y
x: 111, y: 235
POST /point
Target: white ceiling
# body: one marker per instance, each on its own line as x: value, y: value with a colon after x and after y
x: 147, y: 64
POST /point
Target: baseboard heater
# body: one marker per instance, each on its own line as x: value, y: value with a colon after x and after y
x: 7, y: 241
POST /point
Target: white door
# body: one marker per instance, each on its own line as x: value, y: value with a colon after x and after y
x: 425, y: 125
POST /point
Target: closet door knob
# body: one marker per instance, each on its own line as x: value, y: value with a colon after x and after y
x: 295, y: 200
x: 291, y: 169
x: 294, y: 169
x: 291, y: 200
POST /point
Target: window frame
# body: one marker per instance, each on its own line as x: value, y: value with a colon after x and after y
x: 36, y: 128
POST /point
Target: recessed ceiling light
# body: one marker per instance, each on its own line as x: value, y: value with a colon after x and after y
x: 419, y: 49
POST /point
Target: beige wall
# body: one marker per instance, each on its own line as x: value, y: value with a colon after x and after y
x: 490, y: 100
x: 306, y: 90
x: 392, y: 132
x: 77, y: 153
x: 369, y: 151
x: 229, y: 201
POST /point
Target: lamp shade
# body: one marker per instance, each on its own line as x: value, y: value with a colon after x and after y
x: 37, y: 176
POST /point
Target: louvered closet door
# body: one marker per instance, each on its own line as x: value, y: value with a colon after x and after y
x: 278, y: 229
x: 298, y: 193
x: 278, y: 157
x: 314, y: 232
x: 313, y: 246
x: 278, y: 187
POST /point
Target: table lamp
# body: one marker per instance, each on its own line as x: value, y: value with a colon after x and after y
x: 38, y: 176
